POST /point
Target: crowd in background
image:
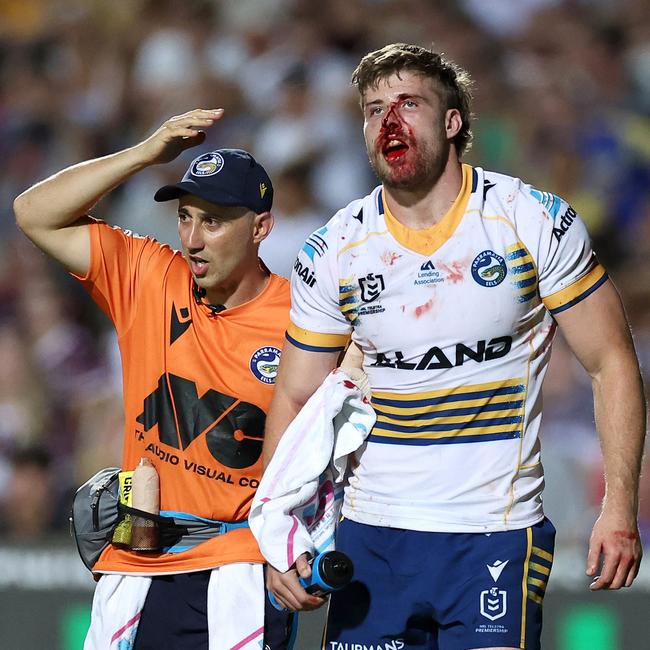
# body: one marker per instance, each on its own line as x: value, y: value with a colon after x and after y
x: 562, y: 100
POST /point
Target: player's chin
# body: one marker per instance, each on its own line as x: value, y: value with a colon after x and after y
x: 202, y: 281
x: 399, y: 178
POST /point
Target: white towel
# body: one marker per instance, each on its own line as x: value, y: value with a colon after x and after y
x: 117, y: 605
x: 297, y: 505
x: 235, y: 609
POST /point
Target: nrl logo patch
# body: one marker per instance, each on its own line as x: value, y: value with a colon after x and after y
x: 371, y: 286
x: 494, y: 603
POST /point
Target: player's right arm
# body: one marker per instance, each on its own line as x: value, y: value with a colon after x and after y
x: 317, y: 335
x: 53, y: 212
x: 300, y: 373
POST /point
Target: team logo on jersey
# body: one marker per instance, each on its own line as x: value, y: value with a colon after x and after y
x: 494, y: 603
x: 371, y: 286
x: 207, y: 165
x: 428, y: 275
x: 489, y: 269
x: 264, y: 364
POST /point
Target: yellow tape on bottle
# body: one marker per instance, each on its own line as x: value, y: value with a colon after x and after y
x: 122, y: 533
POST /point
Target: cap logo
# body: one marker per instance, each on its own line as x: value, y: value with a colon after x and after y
x: 262, y: 190
x: 207, y: 165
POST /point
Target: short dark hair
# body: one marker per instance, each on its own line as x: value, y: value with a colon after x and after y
x: 454, y: 81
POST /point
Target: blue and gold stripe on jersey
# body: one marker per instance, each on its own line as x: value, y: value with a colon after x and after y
x: 569, y: 296
x: 349, y: 300
x: 522, y: 270
x: 316, y: 341
x: 539, y: 569
x: 472, y: 413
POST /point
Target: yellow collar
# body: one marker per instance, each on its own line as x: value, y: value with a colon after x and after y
x: 429, y: 240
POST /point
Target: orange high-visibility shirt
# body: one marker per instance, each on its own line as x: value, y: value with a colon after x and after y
x: 197, y: 386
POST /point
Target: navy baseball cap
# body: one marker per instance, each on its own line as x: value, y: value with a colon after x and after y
x: 226, y: 177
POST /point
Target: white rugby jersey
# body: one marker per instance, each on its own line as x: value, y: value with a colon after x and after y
x: 455, y: 323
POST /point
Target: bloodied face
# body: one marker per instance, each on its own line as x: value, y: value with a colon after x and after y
x: 407, y: 130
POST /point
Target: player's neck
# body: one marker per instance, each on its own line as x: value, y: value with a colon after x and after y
x: 426, y: 207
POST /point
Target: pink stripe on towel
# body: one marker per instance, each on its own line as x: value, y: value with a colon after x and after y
x: 250, y: 637
x: 292, y: 532
x: 128, y: 624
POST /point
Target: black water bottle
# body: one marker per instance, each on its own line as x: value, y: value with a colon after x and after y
x: 330, y: 571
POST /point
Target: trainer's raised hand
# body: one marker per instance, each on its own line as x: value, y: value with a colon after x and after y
x: 177, y: 134
x: 52, y: 213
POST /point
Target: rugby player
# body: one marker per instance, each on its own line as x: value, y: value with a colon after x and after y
x: 452, y: 281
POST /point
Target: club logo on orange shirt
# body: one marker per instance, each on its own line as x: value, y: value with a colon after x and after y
x: 264, y: 364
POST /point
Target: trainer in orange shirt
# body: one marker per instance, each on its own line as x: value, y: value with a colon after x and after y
x: 200, y: 335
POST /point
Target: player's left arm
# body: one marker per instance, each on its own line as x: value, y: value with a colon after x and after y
x: 597, y: 331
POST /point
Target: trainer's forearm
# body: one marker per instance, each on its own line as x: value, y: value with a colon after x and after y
x: 63, y: 198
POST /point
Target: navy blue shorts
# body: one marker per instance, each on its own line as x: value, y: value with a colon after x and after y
x: 441, y: 591
x: 174, y: 616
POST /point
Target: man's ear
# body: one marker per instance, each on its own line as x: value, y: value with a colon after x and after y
x: 262, y: 226
x: 453, y: 123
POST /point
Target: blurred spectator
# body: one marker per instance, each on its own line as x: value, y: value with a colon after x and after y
x: 296, y: 218
x: 23, y: 405
x: 34, y: 505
